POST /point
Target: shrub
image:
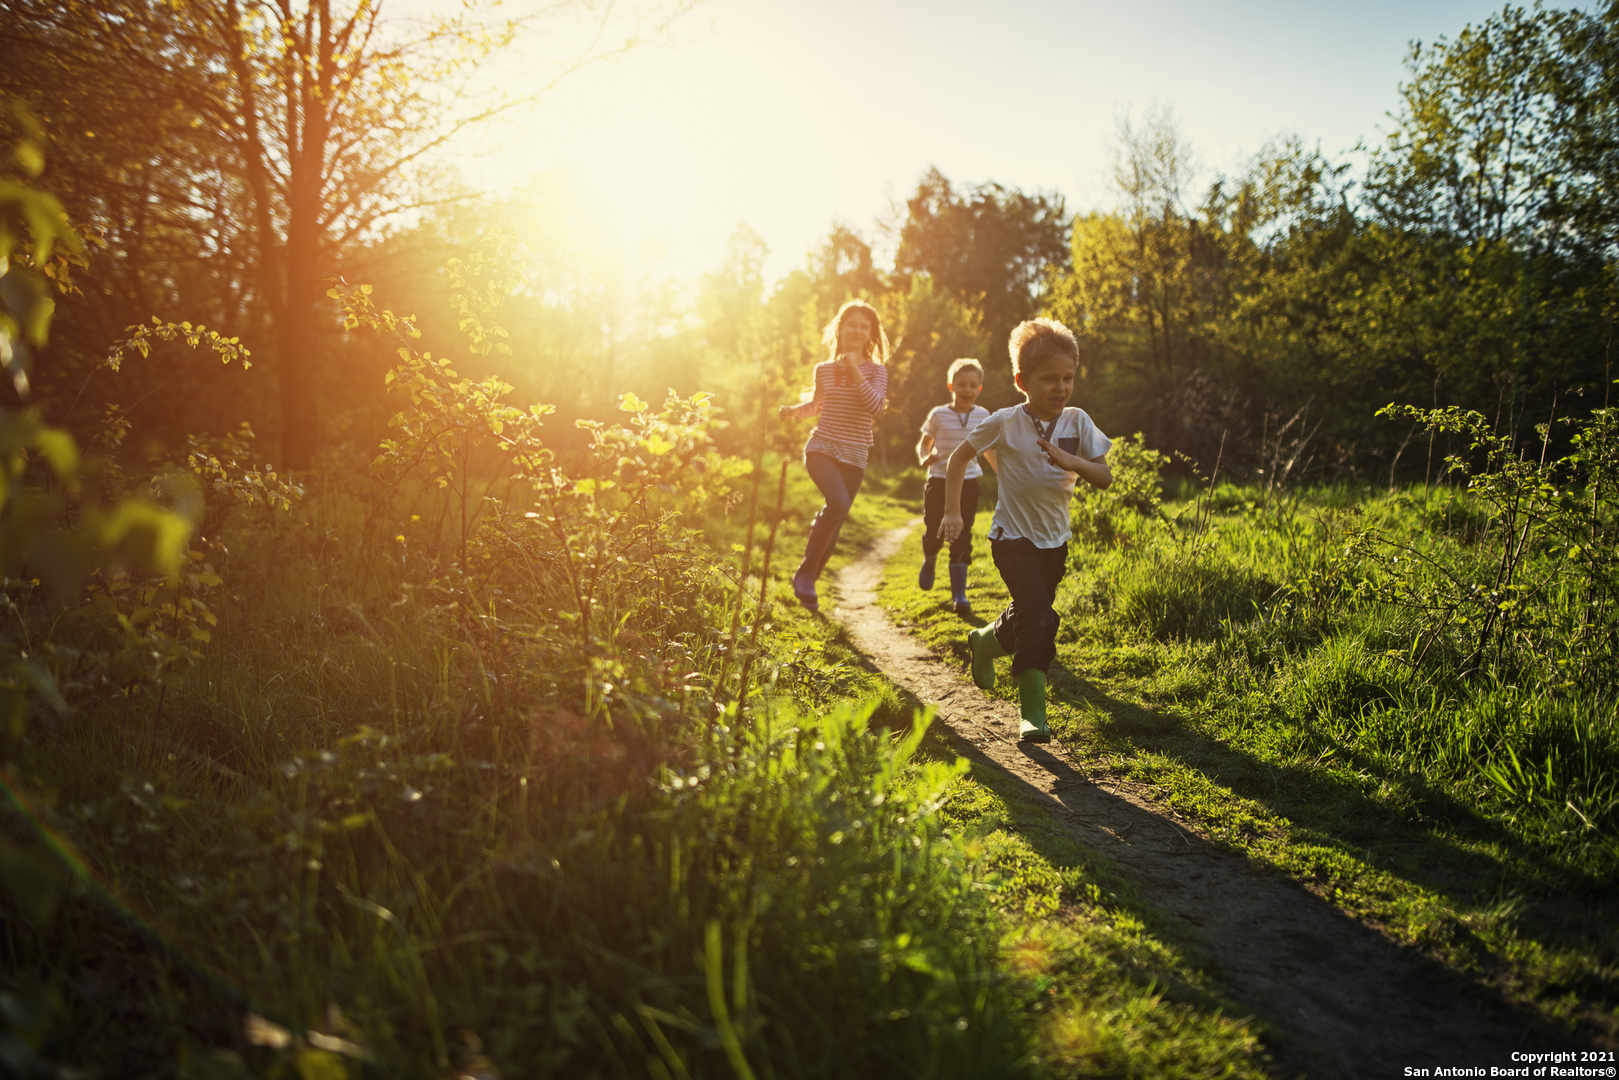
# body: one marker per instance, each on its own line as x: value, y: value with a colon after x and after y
x: 1102, y: 517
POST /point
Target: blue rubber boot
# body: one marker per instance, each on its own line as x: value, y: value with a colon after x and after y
x: 924, y: 580
x: 958, y: 588
x: 983, y: 649
x: 1031, y: 697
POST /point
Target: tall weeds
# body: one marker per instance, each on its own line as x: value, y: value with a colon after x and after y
x: 1459, y: 638
x: 458, y: 769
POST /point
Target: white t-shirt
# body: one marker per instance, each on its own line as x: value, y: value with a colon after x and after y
x: 1034, y: 493
x: 948, y: 428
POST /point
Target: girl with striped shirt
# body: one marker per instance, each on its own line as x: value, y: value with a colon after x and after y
x: 848, y: 395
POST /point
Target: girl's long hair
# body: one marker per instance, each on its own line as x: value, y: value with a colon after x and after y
x: 876, y: 348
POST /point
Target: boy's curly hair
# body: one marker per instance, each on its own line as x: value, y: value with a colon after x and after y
x: 1037, y: 340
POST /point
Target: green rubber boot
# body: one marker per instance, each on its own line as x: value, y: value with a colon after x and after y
x: 1031, y: 696
x: 982, y: 652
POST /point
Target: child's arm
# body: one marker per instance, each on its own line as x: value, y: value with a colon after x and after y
x: 874, y: 390
x: 924, y: 451
x: 1094, y: 472
x: 956, y: 472
x: 989, y: 456
x: 805, y: 408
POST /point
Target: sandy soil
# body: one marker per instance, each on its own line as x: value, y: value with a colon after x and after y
x: 1340, y: 999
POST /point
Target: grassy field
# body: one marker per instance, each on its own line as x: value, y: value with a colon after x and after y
x: 1107, y: 989
x: 1285, y: 674
x: 399, y: 814
x: 552, y: 796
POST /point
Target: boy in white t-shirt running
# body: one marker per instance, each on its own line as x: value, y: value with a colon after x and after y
x: 942, y: 432
x: 1042, y: 447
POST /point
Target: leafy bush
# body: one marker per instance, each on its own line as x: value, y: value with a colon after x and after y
x: 462, y: 769
x: 1538, y: 596
x: 1103, y: 517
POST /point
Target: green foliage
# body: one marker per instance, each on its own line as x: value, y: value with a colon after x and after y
x: 52, y: 533
x: 933, y: 329
x: 47, y: 525
x: 32, y: 228
x: 222, y: 465
x: 141, y: 337
x: 1537, y: 598
x: 599, y: 511
x: 1137, y: 491
x: 1481, y: 149
x: 989, y: 245
x: 521, y: 812
x: 1473, y: 263
x: 1253, y: 660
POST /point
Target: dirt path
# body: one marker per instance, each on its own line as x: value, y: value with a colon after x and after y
x: 1342, y: 1000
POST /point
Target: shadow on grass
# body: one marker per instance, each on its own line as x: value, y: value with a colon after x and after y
x: 1337, y: 998
x: 1339, y: 816
x: 1445, y: 850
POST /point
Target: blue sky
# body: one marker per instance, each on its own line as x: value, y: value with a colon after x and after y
x: 789, y: 115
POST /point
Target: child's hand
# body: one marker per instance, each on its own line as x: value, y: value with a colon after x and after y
x: 931, y: 457
x: 784, y: 411
x: 949, y: 526
x: 1060, y: 457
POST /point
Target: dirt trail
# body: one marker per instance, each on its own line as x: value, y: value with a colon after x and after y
x: 1341, y: 999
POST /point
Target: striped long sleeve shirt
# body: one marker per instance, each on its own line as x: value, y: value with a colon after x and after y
x: 845, y: 409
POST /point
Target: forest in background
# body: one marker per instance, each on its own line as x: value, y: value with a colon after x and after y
x: 1466, y: 258
x: 414, y: 688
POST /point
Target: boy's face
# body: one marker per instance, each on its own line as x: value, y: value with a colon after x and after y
x: 966, y: 387
x: 1048, y: 385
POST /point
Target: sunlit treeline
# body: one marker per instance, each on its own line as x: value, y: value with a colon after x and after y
x: 1260, y: 315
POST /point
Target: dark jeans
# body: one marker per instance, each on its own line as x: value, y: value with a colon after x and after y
x: 1028, y: 627
x: 961, y: 548
x: 839, y: 484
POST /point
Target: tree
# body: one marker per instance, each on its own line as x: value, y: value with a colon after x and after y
x: 325, y: 111
x: 132, y: 159
x: 1150, y: 281
x: 1501, y: 171
x: 730, y: 298
x: 992, y: 247
x: 1473, y: 154
x: 931, y: 329
x: 1586, y: 85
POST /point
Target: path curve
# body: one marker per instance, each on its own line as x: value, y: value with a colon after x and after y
x: 1340, y: 999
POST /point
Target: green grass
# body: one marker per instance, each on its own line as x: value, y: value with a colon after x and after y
x: 415, y: 827
x: 1104, y: 987
x: 1109, y: 988
x: 1114, y: 992
x: 1263, y: 703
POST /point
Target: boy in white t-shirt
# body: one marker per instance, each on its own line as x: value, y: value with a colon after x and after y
x: 1042, y: 447
x: 942, y: 432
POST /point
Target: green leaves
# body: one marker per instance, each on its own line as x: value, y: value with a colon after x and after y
x: 32, y: 228
x: 1547, y: 541
x: 224, y: 466
x: 140, y: 340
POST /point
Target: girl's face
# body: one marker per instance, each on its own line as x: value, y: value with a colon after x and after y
x: 966, y: 387
x: 855, y: 333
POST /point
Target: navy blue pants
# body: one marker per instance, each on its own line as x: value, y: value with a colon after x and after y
x: 1028, y: 627
x: 839, y: 483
